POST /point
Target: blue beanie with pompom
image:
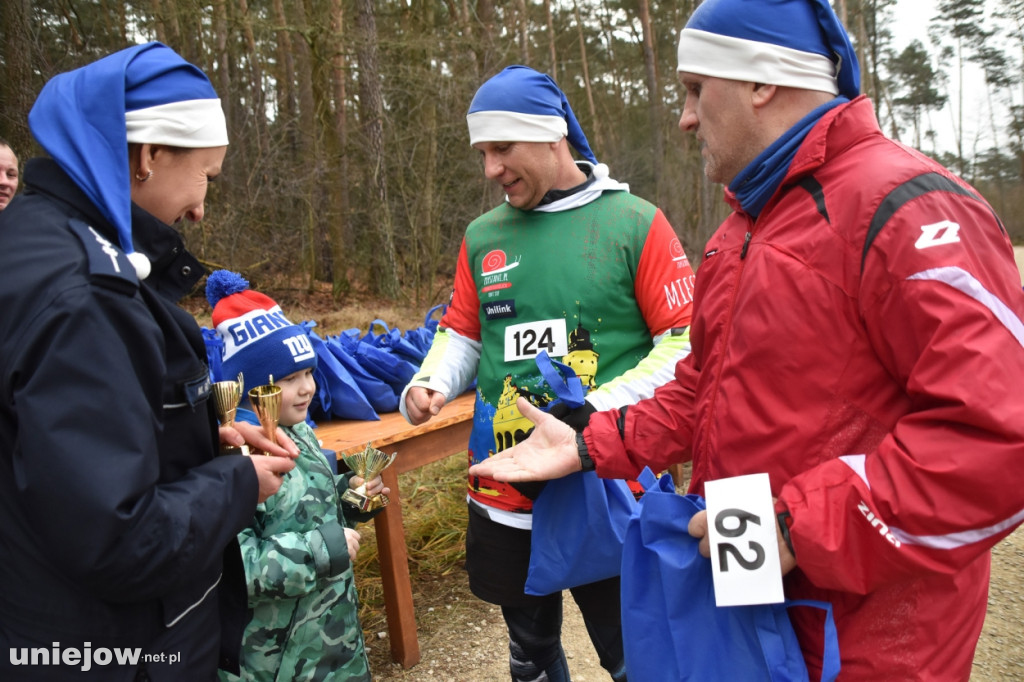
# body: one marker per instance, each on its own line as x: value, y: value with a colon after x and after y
x: 259, y: 341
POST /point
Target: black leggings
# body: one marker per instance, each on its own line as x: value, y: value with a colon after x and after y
x: 535, y: 643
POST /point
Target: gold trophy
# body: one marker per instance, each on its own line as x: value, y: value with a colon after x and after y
x: 226, y: 396
x: 367, y: 465
x: 266, y: 403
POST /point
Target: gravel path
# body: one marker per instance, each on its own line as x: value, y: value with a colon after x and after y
x: 465, y: 641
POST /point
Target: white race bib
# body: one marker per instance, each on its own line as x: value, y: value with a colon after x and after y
x: 744, y: 542
x: 527, y: 340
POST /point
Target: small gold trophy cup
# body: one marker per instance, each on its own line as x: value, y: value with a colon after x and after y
x: 367, y: 465
x: 266, y: 403
x: 226, y: 396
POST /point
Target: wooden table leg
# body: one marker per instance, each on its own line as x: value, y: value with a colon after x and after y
x: 396, y: 583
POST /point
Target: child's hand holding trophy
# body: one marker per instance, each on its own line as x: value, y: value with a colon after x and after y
x: 226, y: 397
x: 368, y: 465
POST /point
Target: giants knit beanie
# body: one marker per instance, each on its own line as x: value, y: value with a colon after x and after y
x: 259, y: 341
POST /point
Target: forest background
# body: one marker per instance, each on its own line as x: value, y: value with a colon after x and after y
x: 350, y: 170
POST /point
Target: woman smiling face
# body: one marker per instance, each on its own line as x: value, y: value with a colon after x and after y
x: 171, y: 182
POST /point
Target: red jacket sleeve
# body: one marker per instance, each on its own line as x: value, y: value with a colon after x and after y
x: 655, y: 432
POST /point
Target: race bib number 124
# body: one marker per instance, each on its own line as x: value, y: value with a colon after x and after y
x: 527, y: 340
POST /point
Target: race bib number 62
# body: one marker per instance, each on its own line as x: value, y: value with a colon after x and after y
x: 744, y: 545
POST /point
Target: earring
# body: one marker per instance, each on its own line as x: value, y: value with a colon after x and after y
x: 149, y: 174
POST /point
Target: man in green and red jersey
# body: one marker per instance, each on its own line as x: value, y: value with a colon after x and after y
x: 572, y: 264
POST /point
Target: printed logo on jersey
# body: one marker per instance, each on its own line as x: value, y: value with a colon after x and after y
x: 499, y: 310
x: 679, y: 292
x: 675, y: 250
x: 937, y: 234
x: 494, y: 269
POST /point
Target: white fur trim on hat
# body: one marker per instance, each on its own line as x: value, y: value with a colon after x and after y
x: 197, y: 123
x: 512, y: 126
x: 719, y: 56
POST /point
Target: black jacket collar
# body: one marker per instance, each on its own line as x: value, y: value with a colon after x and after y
x: 175, y: 271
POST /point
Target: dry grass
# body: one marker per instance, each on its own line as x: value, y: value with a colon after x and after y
x: 434, y: 512
x: 358, y: 309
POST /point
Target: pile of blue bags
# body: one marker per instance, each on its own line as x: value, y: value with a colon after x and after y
x: 358, y: 376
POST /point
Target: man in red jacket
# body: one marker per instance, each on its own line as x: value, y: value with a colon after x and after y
x: 857, y: 335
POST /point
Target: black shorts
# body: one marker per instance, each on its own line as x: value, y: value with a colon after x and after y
x: 497, y: 560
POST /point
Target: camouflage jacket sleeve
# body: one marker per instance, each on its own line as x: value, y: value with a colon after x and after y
x: 292, y: 564
x: 296, y: 542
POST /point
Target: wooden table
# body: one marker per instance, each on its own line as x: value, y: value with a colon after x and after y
x: 444, y: 435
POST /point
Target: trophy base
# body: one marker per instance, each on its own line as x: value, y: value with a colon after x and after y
x: 378, y: 502
x: 234, y: 450
x: 364, y: 503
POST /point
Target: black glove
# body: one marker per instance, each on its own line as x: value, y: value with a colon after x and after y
x: 576, y: 417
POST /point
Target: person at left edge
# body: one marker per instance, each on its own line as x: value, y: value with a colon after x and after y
x: 8, y: 173
x: 118, y: 522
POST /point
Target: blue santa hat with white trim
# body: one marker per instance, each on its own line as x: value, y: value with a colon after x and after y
x: 795, y: 43
x: 145, y: 94
x: 520, y: 104
x: 259, y: 341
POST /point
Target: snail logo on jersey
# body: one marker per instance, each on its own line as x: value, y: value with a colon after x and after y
x: 937, y: 234
x: 499, y: 310
x: 494, y: 269
x: 675, y: 250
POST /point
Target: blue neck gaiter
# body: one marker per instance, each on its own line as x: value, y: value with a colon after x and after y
x: 756, y: 183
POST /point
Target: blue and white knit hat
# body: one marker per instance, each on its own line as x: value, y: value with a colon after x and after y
x: 146, y: 94
x: 795, y: 43
x: 523, y: 105
x: 259, y: 341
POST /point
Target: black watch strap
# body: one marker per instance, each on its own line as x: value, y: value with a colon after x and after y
x: 785, y: 521
x: 581, y: 449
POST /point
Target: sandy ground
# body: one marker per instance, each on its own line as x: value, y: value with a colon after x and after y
x: 466, y: 641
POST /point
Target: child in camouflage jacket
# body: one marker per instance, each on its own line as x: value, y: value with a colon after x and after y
x: 299, y: 548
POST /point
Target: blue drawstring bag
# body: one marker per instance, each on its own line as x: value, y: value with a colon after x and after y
x: 390, y: 368
x: 378, y: 393
x: 422, y: 337
x: 672, y: 629
x: 214, y: 352
x: 338, y: 395
x: 392, y: 341
x: 579, y: 521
